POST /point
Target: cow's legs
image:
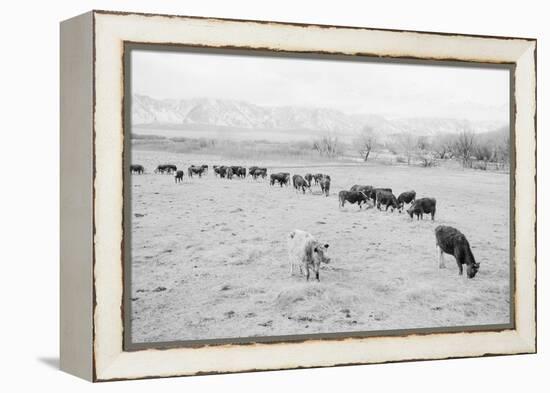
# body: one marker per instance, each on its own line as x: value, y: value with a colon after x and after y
x: 307, y: 273
x: 459, y: 268
x: 441, y: 258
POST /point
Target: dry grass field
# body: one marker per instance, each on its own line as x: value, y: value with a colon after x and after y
x: 209, y: 256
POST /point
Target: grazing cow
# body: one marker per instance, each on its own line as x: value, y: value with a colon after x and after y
x: 205, y: 168
x: 366, y: 189
x: 195, y: 170
x: 280, y: 178
x: 352, y: 197
x: 222, y: 171
x: 300, y: 183
x: 387, y: 199
x: 308, y: 177
x: 251, y: 170
x: 421, y: 206
x: 304, y: 250
x: 259, y: 172
x: 451, y: 241
x: 241, y: 172
x: 179, y: 176
x: 230, y: 172
x: 139, y: 169
x: 405, y: 197
x: 325, y: 185
x: 373, y: 192
x: 166, y: 168
x: 317, y: 177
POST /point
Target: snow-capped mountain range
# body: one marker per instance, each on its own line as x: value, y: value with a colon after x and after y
x: 212, y: 113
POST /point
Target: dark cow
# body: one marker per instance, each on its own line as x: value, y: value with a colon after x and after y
x: 451, y: 241
x: 305, y: 251
x: 222, y: 171
x: 374, y: 191
x: 309, y: 177
x: 405, y: 197
x: 195, y: 170
x: 317, y: 177
x: 325, y: 185
x: 241, y: 172
x: 251, y: 170
x: 421, y: 206
x: 179, y: 177
x: 366, y: 189
x: 139, y: 169
x: 300, y: 183
x: 166, y: 168
x: 387, y: 199
x: 280, y: 178
x: 258, y: 172
x: 205, y: 168
x: 352, y: 197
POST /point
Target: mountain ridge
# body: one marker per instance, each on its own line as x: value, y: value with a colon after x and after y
x: 236, y: 114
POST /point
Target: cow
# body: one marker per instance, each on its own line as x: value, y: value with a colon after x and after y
x: 317, y: 177
x: 251, y: 170
x: 258, y: 172
x: 300, y: 183
x: 451, y: 241
x: 216, y: 170
x: 179, y: 177
x: 366, y: 189
x: 405, y: 197
x: 308, y: 177
x: 195, y: 170
x: 352, y: 197
x: 241, y: 172
x: 305, y: 251
x: 387, y: 199
x: 373, y: 192
x: 230, y: 172
x: 222, y: 171
x: 280, y: 178
x: 421, y: 206
x: 168, y: 168
x: 325, y: 185
x: 205, y: 168
x: 139, y: 169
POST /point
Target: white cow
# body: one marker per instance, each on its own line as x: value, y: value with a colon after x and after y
x: 304, y: 250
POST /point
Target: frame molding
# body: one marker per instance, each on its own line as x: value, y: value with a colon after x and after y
x: 109, y: 33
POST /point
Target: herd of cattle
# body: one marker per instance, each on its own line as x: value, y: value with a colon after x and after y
x: 303, y: 248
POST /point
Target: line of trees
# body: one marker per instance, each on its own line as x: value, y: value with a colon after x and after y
x: 470, y: 149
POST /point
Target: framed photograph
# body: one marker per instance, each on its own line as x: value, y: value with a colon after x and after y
x: 247, y: 195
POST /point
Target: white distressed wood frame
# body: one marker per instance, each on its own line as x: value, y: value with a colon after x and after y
x: 91, y: 238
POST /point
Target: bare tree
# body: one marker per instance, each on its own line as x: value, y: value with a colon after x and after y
x: 408, y: 144
x: 463, y: 147
x: 425, y: 153
x: 443, y: 146
x: 365, y: 142
x: 328, y: 145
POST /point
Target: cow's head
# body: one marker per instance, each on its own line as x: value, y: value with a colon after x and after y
x: 472, y: 270
x: 320, y: 252
x: 410, y: 211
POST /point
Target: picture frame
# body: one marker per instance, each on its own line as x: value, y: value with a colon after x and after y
x: 93, y: 324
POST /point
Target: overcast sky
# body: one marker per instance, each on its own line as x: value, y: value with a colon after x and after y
x: 350, y: 86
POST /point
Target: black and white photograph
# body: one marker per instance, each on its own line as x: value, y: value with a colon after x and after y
x: 275, y: 195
